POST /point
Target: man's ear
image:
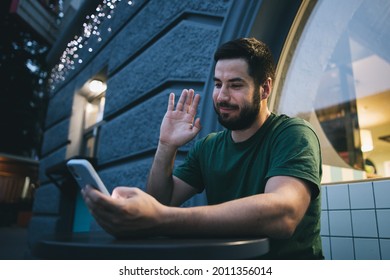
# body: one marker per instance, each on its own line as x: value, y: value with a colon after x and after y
x: 267, y: 88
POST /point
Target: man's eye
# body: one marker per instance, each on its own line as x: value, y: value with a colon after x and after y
x: 236, y: 85
x: 217, y: 85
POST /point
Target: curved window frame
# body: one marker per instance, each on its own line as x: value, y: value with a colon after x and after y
x: 283, y: 67
x: 289, y: 47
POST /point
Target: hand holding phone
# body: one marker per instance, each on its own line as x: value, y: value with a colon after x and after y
x: 84, y: 174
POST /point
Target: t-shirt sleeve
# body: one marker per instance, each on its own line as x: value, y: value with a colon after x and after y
x: 190, y: 170
x: 296, y: 152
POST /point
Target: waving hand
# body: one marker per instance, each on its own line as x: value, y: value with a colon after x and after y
x: 179, y: 125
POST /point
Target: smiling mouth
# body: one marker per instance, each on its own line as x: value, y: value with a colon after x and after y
x: 225, y: 110
x: 226, y: 107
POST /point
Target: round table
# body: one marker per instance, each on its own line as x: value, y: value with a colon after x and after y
x: 100, y: 245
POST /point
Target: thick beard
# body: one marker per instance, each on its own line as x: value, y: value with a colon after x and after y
x: 246, y: 118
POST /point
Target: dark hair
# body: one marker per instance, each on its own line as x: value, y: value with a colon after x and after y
x: 256, y: 53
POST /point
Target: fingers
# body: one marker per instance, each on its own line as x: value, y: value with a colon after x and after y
x: 182, y: 100
x: 104, y: 209
x: 197, y: 125
x: 194, y: 106
x: 188, y: 102
x: 95, y: 200
x: 171, y: 102
x: 124, y: 192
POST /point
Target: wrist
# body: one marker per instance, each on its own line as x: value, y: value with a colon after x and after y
x: 171, y: 220
x: 166, y: 147
x: 164, y: 158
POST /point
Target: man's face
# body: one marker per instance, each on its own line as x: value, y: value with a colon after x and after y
x: 236, y: 99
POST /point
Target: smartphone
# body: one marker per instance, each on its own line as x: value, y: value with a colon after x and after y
x: 84, y: 174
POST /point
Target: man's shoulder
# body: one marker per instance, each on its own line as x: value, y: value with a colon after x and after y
x: 282, y: 122
x: 283, y: 119
x: 286, y: 128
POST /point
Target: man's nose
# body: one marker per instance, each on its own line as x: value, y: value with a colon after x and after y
x: 223, y: 94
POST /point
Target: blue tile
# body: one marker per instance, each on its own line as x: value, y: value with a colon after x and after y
x: 342, y: 248
x: 324, y: 223
x: 382, y: 194
x: 338, y: 197
x: 367, y: 249
x: 340, y: 223
x: 385, y: 248
x: 324, y: 198
x: 361, y: 196
x: 383, y: 217
x: 364, y: 223
x: 326, y: 248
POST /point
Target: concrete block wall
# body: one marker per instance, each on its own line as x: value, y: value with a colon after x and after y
x: 355, y: 220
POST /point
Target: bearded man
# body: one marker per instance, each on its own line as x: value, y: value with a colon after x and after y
x: 261, y: 175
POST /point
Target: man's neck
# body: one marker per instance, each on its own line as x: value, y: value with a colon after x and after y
x: 245, y: 134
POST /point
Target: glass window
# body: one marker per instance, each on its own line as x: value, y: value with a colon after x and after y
x: 339, y: 80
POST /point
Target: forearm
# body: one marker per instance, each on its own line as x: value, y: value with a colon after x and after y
x: 275, y: 213
x: 259, y: 215
x: 160, y: 181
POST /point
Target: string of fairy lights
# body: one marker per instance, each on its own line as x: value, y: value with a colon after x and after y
x: 71, y: 57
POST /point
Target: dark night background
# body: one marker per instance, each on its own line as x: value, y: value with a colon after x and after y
x: 23, y: 96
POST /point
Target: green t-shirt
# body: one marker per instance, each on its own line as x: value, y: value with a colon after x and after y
x: 283, y: 146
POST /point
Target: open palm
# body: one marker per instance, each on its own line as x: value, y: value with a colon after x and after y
x: 179, y: 125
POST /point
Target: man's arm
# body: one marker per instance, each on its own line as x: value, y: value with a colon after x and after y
x: 276, y: 213
x: 177, y: 128
x: 162, y: 185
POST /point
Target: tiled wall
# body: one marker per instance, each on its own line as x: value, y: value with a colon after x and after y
x: 356, y: 220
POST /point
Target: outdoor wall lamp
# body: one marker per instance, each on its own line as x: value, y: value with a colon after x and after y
x: 97, y: 86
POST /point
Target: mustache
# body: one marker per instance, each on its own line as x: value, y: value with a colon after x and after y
x: 226, y: 105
